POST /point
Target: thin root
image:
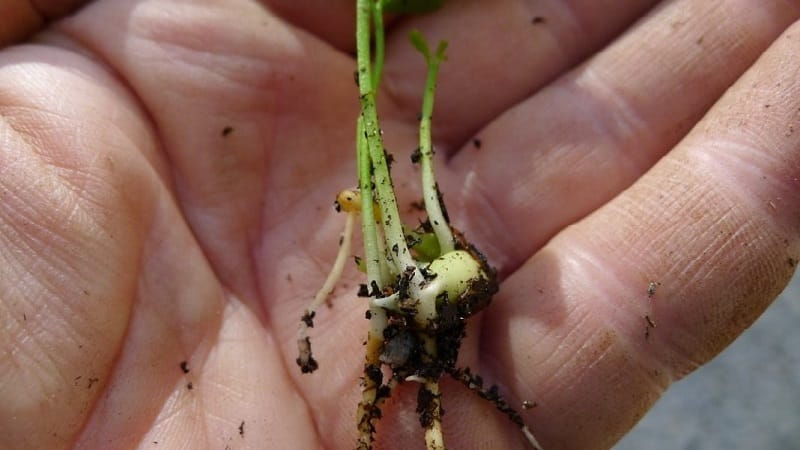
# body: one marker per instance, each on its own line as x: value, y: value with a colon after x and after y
x: 305, y: 359
x: 474, y: 383
x: 429, y: 408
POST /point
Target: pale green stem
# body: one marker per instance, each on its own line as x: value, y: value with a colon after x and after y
x: 372, y: 252
x: 385, y: 262
x: 430, y: 191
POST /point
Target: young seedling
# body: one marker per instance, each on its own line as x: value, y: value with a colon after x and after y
x: 423, y: 284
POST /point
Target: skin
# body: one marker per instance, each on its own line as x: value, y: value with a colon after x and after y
x: 619, y: 146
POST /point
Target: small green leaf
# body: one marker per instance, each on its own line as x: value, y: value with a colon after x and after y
x: 419, y: 42
x: 411, y: 6
x: 426, y: 248
x: 440, y: 55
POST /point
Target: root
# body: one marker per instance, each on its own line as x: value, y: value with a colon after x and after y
x: 429, y: 408
x: 305, y: 359
x: 474, y: 383
x: 374, y: 391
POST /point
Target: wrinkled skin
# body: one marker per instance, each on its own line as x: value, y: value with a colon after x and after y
x: 621, y: 143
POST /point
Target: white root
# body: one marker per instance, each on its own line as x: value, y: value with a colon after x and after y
x: 338, y: 265
x: 434, y: 438
x: 305, y: 359
x: 531, y: 439
x: 391, y: 302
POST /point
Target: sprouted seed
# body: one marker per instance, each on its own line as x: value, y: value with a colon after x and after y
x: 422, y: 283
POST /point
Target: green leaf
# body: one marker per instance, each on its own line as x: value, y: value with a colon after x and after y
x: 426, y: 248
x: 411, y: 6
x: 441, y: 50
x: 419, y: 42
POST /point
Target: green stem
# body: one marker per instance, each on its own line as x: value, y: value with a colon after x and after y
x: 393, y: 229
x: 380, y: 40
x: 430, y: 190
x: 368, y: 138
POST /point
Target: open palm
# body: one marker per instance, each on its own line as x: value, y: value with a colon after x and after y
x: 166, y: 177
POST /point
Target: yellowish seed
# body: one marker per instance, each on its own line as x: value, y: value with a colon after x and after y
x: 349, y: 200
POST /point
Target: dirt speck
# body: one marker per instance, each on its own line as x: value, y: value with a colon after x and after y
x: 305, y: 360
x: 184, y: 366
x: 649, y: 325
x: 527, y: 404
x: 416, y: 155
x: 651, y: 289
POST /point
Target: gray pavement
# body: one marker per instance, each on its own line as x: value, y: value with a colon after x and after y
x: 748, y: 397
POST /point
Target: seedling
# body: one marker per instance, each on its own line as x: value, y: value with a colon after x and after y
x: 422, y: 284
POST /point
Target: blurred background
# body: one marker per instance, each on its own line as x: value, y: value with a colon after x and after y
x: 748, y: 397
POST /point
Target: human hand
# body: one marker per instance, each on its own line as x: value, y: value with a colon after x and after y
x: 167, y: 171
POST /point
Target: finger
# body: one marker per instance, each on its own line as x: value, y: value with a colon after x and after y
x: 499, y: 52
x: 73, y: 207
x: 582, y: 140
x: 21, y: 18
x: 252, y: 114
x: 715, y: 225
